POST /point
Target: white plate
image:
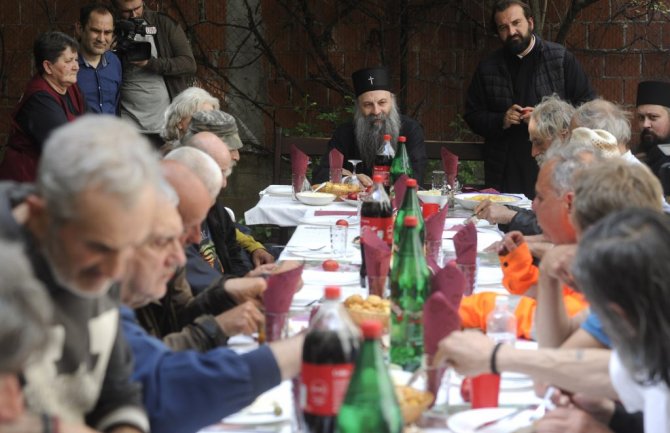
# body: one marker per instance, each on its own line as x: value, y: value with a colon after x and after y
x: 323, y: 254
x: 278, y: 190
x: 328, y: 220
x: 324, y: 278
x: 450, y: 222
x: 259, y: 412
x: 466, y: 201
x: 467, y: 421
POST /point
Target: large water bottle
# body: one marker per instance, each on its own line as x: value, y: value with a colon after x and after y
x: 501, y: 322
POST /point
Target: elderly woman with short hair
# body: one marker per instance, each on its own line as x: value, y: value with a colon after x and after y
x: 51, y: 98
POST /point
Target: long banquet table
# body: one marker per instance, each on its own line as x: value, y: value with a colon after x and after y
x: 311, y: 243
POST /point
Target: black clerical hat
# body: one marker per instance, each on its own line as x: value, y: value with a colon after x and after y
x: 369, y: 79
x: 653, y: 93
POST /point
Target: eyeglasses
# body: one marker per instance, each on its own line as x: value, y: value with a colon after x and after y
x: 132, y: 10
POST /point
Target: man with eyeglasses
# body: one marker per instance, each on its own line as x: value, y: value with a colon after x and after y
x: 150, y: 85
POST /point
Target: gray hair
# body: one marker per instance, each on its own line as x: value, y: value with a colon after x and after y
x: 95, y: 151
x: 613, y: 185
x: 167, y: 192
x: 202, y: 165
x: 569, y: 159
x: 25, y: 309
x: 602, y: 114
x: 183, y: 105
x: 552, y: 117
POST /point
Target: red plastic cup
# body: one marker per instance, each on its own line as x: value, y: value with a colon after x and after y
x: 428, y: 209
x: 485, y: 390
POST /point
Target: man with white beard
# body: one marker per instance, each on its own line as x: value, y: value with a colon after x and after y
x: 375, y: 114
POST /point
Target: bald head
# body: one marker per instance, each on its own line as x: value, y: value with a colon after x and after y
x: 215, y: 148
x: 203, y: 166
x: 194, y: 199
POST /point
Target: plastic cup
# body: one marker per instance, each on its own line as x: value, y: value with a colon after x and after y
x: 338, y: 240
x: 428, y: 209
x: 378, y: 285
x: 439, y: 179
x: 336, y: 175
x: 300, y: 184
x: 485, y: 390
x: 275, y: 328
x: 470, y: 274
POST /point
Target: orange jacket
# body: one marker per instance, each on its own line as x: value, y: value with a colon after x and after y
x: 519, y: 274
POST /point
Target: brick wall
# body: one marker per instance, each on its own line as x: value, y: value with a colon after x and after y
x: 444, y: 47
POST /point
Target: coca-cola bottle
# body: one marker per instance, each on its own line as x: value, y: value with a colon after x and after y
x: 383, y: 160
x: 328, y: 356
x: 377, y: 213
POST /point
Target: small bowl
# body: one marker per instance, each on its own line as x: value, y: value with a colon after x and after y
x: 433, y: 196
x: 315, y: 198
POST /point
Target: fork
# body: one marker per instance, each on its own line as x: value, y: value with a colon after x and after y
x: 503, y: 418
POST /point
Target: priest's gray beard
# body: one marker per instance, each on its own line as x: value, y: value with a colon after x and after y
x: 369, y: 131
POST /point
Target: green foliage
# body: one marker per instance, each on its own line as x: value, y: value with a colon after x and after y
x: 313, y: 118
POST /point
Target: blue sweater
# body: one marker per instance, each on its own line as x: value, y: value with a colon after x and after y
x: 186, y: 391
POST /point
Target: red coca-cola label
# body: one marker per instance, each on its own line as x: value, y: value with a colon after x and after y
x: 324, y: 387
x: 384, y: 171
x: 382, y: 227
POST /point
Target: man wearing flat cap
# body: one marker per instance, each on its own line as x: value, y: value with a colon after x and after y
x: 375, y: 114
x: 505, y: 88
x: 221, y: 124
x: 653, y: 117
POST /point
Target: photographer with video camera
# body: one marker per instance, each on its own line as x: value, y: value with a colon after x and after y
x: 157, y: 64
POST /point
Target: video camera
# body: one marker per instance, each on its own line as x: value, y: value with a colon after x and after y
x: 126, y: 45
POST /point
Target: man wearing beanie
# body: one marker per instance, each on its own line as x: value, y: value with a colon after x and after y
x: 219, y: 123
x: 375, y: 114
x: 506, y: 87
x: 653, y: 116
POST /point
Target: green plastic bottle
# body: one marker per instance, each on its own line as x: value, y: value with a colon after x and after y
x: 370, y: 404
x: 400, y: 164
x: 410, y: 286
x: 409, y: 207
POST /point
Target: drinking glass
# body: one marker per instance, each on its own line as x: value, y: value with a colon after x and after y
x: 338, y: 240
x: 300, y: 184
x: 439, y: 181
x: 353, y: 179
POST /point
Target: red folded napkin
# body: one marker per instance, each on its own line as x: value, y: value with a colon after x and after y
x: 435, y: 225
x: 335, y: 159
x: 399, y: 189
x: 440, y: 312
x: 450, y: 164
x: 280, y: 290
x: 299, y: 161
x: 377, y: 254
x: 465, y: 243
x: 335, y: 213
x: 440, y: 316
x: 489, y: 191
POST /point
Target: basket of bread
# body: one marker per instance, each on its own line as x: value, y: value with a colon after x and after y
x: 413, y: 402
x: 339, y: 189
x: 372, y: 308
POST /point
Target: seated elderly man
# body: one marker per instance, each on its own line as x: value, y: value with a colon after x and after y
x: 185, y: 391
x: 580, y: 365
x: 94, y: 199
x: 224, y: 126
x: 375, y: 114
x: 549, y: 121
x: 178, y: 114
x: 227, y: 308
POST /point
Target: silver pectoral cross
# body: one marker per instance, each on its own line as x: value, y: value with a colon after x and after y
x: 371, y: 80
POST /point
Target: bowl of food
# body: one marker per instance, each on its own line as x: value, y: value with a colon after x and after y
x: 433, y: 196
x: 315, y: 198
x: 372, y: 308
x: 339, y: 189
x: 413, y: 402
x: 470, y: 200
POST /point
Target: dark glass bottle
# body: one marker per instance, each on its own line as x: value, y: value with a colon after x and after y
x: 401, y: 164
x: 383, y: 160
x: 371, y: 404
x: 328, y: 356
x: 410, y: 286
